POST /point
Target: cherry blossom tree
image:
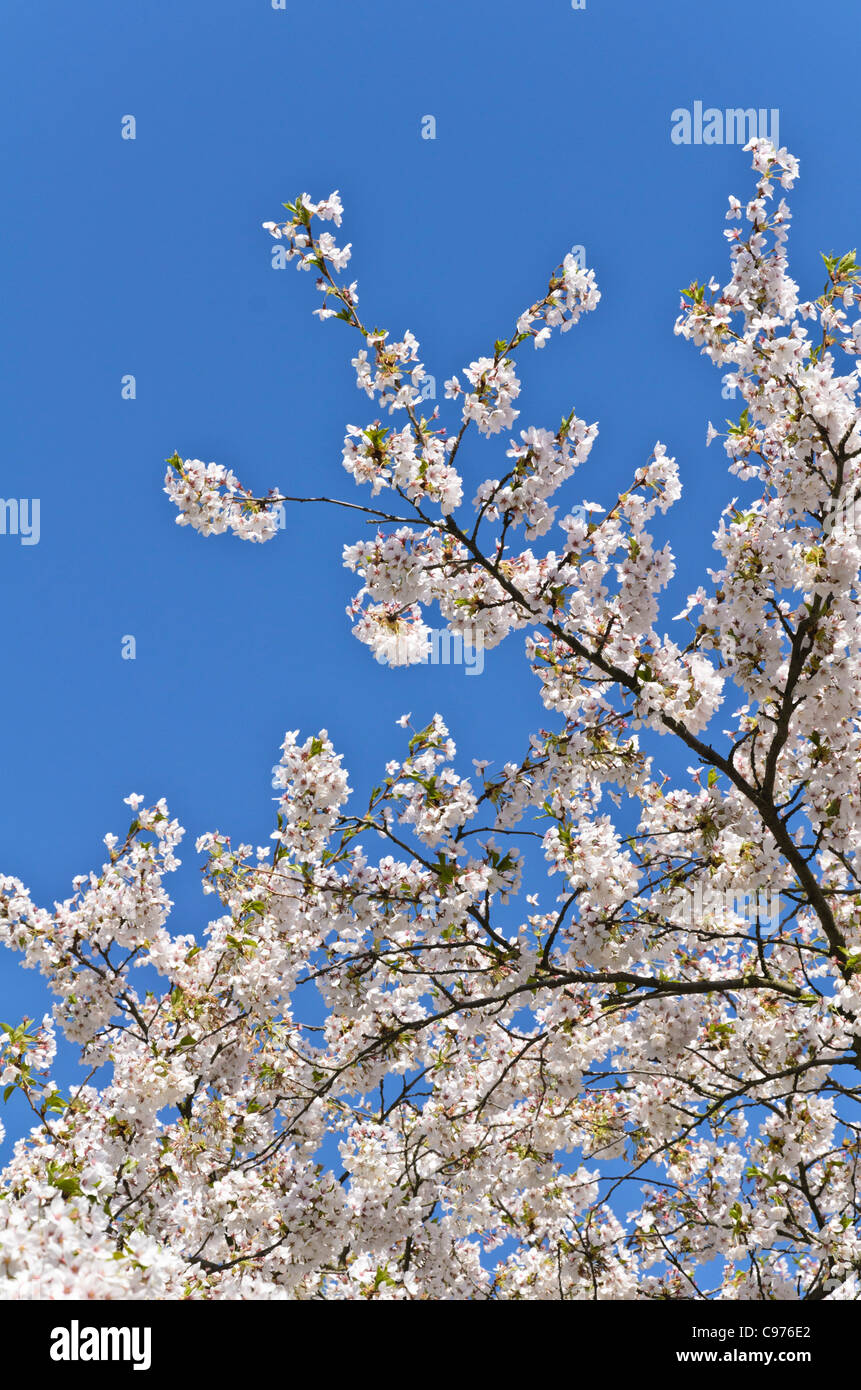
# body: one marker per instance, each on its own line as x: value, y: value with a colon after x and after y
x: 388, y: 1070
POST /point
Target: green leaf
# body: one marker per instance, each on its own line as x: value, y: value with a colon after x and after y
x: 445, y: 871
x: 63, y: 1177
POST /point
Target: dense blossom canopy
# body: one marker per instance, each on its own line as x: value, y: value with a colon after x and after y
x: 417, y: 1069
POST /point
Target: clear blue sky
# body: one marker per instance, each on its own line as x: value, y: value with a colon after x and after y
x: 147, y: 257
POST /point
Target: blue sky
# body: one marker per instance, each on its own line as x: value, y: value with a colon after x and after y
x: 147, y: 257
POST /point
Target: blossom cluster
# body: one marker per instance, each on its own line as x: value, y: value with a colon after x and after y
x: 477, y: 1037
x: 211, y: 499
